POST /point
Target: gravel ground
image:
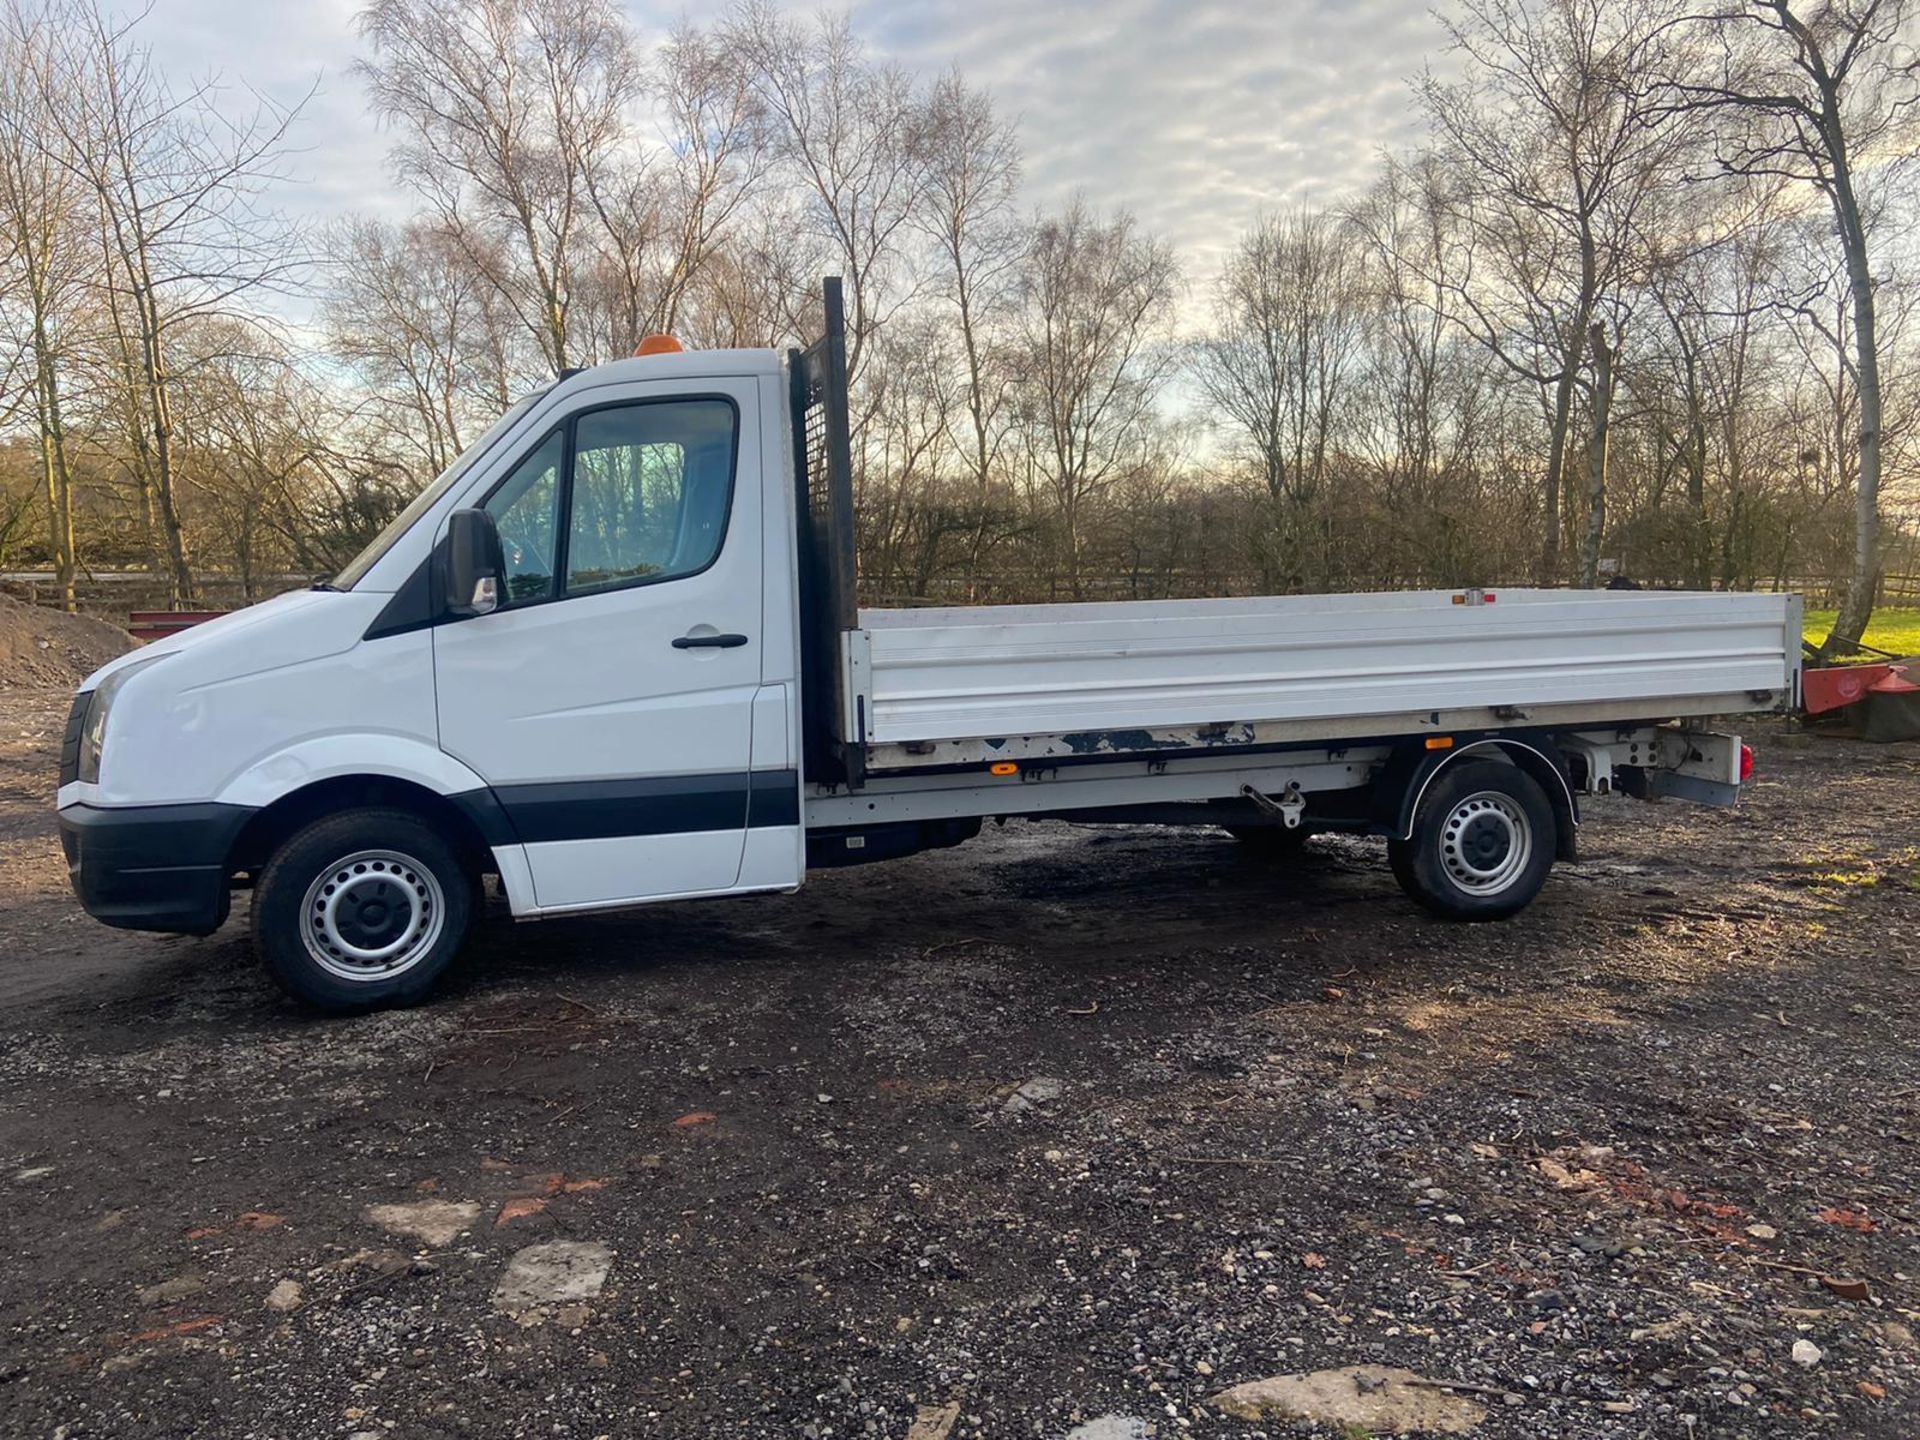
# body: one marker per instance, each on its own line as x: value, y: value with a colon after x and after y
x: 1064, y: 1131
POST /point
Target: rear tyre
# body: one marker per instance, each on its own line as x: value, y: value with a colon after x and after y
x: 1271, y: 841
x: 1482, y: 843
x: 362, y: 910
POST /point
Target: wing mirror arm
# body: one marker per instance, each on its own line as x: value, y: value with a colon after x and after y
x: 476, y: 563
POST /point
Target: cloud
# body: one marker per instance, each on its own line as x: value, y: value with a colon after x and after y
x: 1193, y: 114
x: 337, y: 165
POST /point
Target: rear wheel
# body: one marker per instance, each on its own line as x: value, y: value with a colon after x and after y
x: 361, y: 910
x: 1482, y: 843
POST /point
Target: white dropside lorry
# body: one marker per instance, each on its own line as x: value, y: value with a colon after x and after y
x: 612, y: 656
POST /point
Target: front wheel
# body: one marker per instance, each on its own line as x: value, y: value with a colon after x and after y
x: 361, y: 910
x: 1481, y: 845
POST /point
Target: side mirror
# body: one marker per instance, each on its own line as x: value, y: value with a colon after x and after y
x: 475, y: 563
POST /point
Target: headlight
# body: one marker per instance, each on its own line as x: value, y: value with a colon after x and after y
x: 93, y: 739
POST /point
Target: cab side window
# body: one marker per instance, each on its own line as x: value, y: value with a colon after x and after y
x: 650, y: 491
x: 526, y: 511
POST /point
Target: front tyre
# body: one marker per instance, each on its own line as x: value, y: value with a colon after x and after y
x: 1482, y: 843
x: 362, y: 910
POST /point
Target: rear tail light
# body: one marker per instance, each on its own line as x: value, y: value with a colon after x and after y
x: 1746, y: 763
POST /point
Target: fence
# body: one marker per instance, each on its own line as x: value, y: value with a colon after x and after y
x: 113, y: 594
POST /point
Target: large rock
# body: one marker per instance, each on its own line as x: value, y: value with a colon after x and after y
x: 1376, y: 1399
x: 1112, y: 1427
x: 561, y: 1272
x: 1041, y: 1090
x: 285, y: 1297
x: 432, y: 1222
x: 934, y: 1422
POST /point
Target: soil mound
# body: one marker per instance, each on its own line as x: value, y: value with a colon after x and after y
x: 48, y: 647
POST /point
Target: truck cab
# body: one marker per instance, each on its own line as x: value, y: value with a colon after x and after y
x: 616, y: 722
x: 612, y: 657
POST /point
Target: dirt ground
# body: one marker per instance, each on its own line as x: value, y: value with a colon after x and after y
x: 42, y: 647
x: 1063, y: 1130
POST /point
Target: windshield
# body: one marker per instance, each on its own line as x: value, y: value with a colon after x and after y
x: 363, y: 562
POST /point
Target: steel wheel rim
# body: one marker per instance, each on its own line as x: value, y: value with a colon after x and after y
x: 372, y: 915
x: 1486, y: 843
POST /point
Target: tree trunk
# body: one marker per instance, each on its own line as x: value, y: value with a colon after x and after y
x: 977, y: 414
x: 179, y: 574
x: 1699, y: 540
x: 59, y: 479
x: 1856, y: 608
x: 1556, y: 465
x: 1597, y: 456
x: 159, y: 407
x: 59, y: 525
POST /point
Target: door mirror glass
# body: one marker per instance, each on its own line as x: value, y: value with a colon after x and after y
x: 474, y: 564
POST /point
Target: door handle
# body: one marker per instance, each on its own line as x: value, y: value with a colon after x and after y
x: 709, y: 642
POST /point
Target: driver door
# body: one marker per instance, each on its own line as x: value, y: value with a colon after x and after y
x: 608, y: 701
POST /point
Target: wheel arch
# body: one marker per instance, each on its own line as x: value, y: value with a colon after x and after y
x: 472, y: 821
x: 1534, y: 755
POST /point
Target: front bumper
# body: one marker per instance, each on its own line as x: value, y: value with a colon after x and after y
x: 152, y: 867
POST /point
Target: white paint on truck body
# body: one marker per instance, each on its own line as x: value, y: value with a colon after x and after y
x: 584, y: 710
x: 1160, y: 666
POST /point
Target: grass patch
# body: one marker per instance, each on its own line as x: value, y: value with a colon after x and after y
x: 1894, y: 630
x: 1836, y: 874
x: 1839, y: 879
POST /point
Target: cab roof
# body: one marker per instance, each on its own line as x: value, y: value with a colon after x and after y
x: 684, y: 365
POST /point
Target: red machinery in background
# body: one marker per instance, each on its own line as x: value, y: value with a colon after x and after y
x: 145, y: 625
x: 1879, y: 698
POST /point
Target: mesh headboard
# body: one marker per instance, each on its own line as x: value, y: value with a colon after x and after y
x: 823, y: 457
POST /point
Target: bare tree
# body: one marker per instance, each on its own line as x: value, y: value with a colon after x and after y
x: 47, y: 262
x: 512, y: 116
x: 718, y: 142
x: 1555, y: 142
x: 664, y: 211
x: 1288, y: 328
x: 427, y: 335
x: 1714, y: 277
x: 1824, y: 95
x: 1601, y: 350
x: 173, y: 180
x: 248, y: 418
x: 1439, y: 384
x: 1406, y: 223
x: 972, y: 161
x: 1096, y: 302
x: 846, y: 129
x: 1426, y: 380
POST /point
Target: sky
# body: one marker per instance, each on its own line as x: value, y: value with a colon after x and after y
x: 1194, y: 114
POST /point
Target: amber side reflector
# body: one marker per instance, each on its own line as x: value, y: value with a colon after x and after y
x: 1003, y: 767
x: 1439, y: 742
x: 658, y: 345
